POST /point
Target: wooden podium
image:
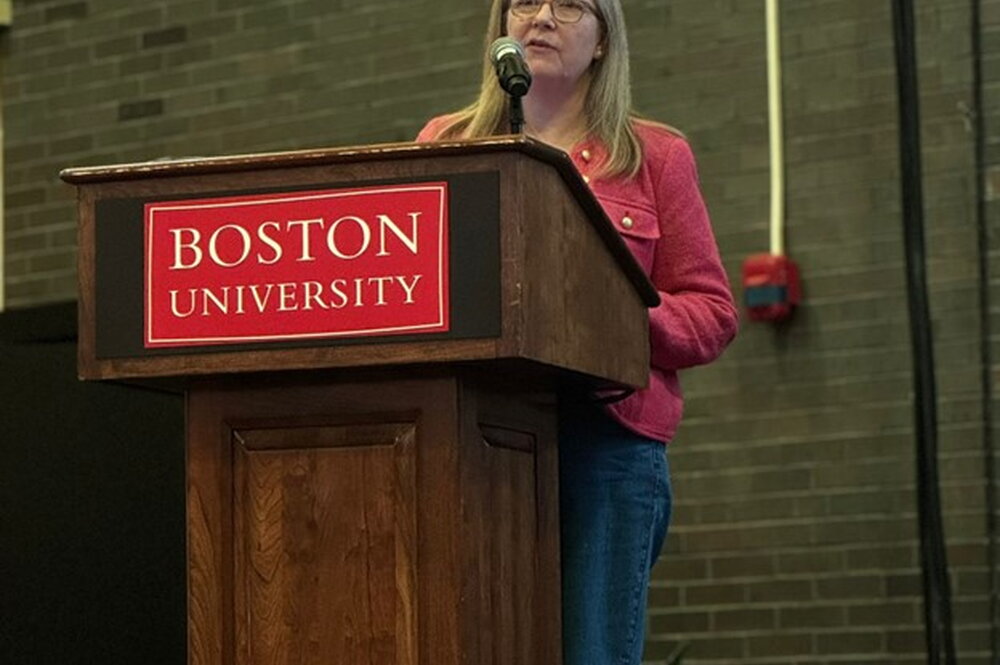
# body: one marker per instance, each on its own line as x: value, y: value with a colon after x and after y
x: 378, y: 499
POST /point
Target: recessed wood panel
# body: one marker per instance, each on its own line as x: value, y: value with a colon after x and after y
x: 508, y: 472
x: 510, y: 546
x: 324, y: 535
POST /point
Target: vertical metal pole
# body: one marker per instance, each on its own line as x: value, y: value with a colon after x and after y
x: 937, y: 596
x: 985, y: 328
x: 5, y: 19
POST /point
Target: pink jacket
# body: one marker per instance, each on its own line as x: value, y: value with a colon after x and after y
x: 663, y: 220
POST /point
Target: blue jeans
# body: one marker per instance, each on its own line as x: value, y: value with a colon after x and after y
x: 614, y: 496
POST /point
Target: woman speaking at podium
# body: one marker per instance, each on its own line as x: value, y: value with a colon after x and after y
x: 615, y: 495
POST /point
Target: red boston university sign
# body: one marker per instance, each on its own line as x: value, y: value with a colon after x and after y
x: 299, y: 265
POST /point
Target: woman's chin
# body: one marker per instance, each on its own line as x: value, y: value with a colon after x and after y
x: 556, y: 79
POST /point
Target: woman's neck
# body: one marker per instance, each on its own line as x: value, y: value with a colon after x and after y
x: 556, y: 116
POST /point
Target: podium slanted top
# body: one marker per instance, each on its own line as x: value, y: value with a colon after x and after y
x: 517, y: 263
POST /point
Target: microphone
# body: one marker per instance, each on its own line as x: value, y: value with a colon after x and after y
x: 507, y: 56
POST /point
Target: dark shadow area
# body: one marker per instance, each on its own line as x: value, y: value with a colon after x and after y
x: 91, y: 507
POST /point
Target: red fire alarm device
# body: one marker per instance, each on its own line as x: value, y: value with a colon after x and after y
x: 770, y: 286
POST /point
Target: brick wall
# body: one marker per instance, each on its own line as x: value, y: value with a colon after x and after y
x: 104, y: 81
x: 795, y: 524
x: 990, y: 35
x: 794, y: 531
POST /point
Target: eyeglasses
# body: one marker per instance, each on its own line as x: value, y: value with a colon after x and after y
x: 564, y: 11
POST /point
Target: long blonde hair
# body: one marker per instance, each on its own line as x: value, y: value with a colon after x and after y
x: 608, y: 105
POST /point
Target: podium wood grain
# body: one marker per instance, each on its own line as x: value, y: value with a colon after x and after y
x: 314, y: 510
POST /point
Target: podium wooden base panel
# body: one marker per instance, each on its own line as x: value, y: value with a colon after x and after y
x: 385, y: 522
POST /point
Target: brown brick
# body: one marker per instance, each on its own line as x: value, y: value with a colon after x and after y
x: 140, y: 109
x: 722, y: 648
x: 966, y: 611
x: 867, y: 586
x: 971, y: 582
x: 116, y: 46
x: 811, y: 561
x: 903, y: 585
x: 26, y: 197
x: 885, y: 614
x: 660, y: 596
x: 777, y: 590
x: 164, y: 37
x: 716, y: 594
x: 680, y: 568
x: 811, y: 617
x: 51, y: 261
x: 864, y: 530
x: 906, y: 641
x: 743, y: 566
x: 854, y: 642
x: 883, y: 556
x: 973, y: 638
x: 678, y: 623
x: 661, y: 650
x: 780, y: 645
x: 738, y: 620
x: 66, y: 11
